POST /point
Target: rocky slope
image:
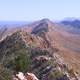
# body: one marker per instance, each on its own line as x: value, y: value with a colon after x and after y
x: 37, y: 52
x: 67, y: 43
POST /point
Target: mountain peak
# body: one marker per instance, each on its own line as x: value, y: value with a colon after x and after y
x: 45, y: 20
x: 43, y: 25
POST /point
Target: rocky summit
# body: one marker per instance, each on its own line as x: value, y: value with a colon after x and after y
x: 38, y: 54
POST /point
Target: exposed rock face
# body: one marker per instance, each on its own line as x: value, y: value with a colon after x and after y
x: 42, y: 27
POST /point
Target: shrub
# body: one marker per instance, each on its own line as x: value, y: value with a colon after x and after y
x: 22, y: 63
x: 56, y: 75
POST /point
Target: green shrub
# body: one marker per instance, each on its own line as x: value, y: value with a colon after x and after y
x: 56, y: 75
x: 22, y: 63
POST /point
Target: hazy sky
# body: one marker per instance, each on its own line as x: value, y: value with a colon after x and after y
x: 37, y: 9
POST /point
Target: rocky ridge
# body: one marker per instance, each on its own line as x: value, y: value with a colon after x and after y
x: 34, y: 53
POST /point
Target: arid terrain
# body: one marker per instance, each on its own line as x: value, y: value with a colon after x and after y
x: 47, y: 49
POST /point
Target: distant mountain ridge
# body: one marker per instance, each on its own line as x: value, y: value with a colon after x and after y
x: 74, y: 23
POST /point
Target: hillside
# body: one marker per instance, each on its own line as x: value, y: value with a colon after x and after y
x: 66, y: 42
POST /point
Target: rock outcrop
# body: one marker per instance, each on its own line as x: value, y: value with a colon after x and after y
x: 22, y: 76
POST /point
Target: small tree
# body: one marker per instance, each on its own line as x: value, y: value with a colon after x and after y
x: 22, y: 63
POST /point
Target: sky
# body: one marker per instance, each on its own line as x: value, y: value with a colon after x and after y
x: 29, y: 10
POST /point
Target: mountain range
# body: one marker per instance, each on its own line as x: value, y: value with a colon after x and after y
x: 73, y: 26
x: 47, y: 49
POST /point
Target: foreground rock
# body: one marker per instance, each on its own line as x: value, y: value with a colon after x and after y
x: 27, y: 76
